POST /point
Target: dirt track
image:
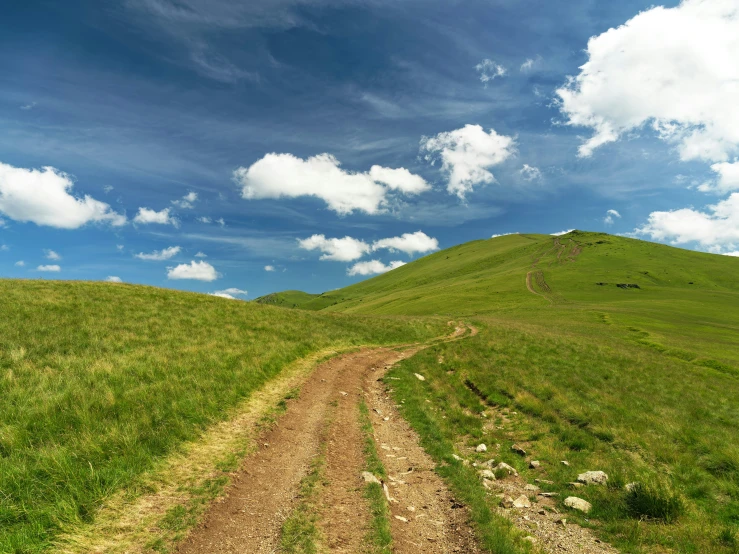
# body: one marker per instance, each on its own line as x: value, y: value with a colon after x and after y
x: 265, y: 490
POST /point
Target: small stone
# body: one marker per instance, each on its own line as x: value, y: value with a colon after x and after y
x: 369, y: 478
x: 487, y: 483
x: 401, y: 518
x: 487, y: 474
x: 506, y: 467
x: 548, y: 494
x: 531, y: 488
x: 342, y: 393
x: 565, y: 463
x: 545, y: 481
x: 578, y: 504
x: 522, y: 502
x: 593, y: 478
x: 542, y: 512
x: 507, y: 502
x: 458, y: 458
x: 518, y: 450
x: 419, y: 377
x: 530, y: 539
x: 534, y: 464
x: 630, y: 486
x: 560, y: 520
x: 481, y: 448
x: 411, y: 508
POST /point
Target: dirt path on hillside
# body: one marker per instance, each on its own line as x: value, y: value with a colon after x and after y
x: 530, y: 286
x: 265, y: 490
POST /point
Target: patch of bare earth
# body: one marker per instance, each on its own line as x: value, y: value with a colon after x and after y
x: 425, y: 515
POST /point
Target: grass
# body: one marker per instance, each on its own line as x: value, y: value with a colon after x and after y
x: 380, y: 537
x: 101, y: 382
x: 639, y: 381
x: 300, y: 534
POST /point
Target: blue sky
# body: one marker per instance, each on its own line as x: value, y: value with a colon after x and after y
x: 259, y: 125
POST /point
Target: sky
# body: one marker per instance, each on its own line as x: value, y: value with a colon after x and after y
x: 243, y: 147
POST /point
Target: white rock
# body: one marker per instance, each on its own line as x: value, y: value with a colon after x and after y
x: 487, y: 483
x: 531, y: 488
x: 534, y: 464
x: 518, y: 450
x: 506, y: 467
x: 507, y: 502
x: 578, y: 504
x: 401, y: 518
x: 565, y: 463
x: 419, y: 377
x: 630, y: 486
x: 481, y: 448
x: 369, y: 478
x: 458, y: 458
x: 487, y: 474
x: 522, y: 502
x: 593, y: 478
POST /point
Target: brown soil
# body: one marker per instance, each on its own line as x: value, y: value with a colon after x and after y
x: 530, y: 285
x: 265, y: 490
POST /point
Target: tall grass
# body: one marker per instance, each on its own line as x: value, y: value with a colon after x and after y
x: 99, y: 381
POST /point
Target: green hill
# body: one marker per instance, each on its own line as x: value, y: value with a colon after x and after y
x: 286, y: 299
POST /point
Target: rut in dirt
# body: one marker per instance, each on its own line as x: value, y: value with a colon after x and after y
x: 325, y: 419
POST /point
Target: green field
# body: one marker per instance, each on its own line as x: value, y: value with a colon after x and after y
x: 99, y: 381
x: 642, y: 383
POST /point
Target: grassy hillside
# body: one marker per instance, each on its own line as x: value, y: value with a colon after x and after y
x: 287, y: 299
x: 640, y: 380
x: 98, y: 381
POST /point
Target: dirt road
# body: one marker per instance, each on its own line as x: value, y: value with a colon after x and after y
x: 325, y: 419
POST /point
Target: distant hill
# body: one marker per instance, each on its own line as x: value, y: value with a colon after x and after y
x: 287, y: 299
x: 526, y: 270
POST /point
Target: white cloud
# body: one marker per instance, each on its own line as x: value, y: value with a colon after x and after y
x: 44, y: 197
x: 287, y: 176
x: 645, y: 71
x: 147, y: 216
x: 198, y: 271
x: 717, y: 227
x: 735, y: 253
x: 410, y: 243
x: 269, y: 268
x: 51, y: 255
x: 223, y: 295
x: 232, y: 292
x: 108, y: 188
x: 20, y: 263
x: 201, y: 255
x: 399, y: 179
x: 4, y: 247
x: 204, y: 220
x: 529, y: 64
x: 503, y: 235
x: 610, y: 214
x: 529, y: 172
x: 28, y: 106
x: 560, y: 233
x: 728, y: 178
x: 113, y: 279
x: 372, y: 267
x: 52, y: 268
x: 119, y: 247
x: 489, y: 70
x: 467, y: 154
x: 221, y: 222
x: 187, y: 201
x: 159, y: 255
x: 340, y: 250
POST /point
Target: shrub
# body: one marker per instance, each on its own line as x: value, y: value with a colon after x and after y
x: 654, y: 502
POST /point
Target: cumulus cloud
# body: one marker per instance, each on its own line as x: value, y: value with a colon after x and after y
x: 529, y: 172
x: 44, y: 197
x: 201, y: 255
x: 287, y: 176
x: 51, y: 268
x: 735, y: 253
x: 233, y: 292
x: 489, y: 70
x: 221, y: 222
x: 372, y: 267
x: 147, y: 216
x: 399, y: 179
x: 159, y: 255
x: 113, y: 279
x: 119, y: 247
x: 728, y: 178
x: 717, y: 227
x: 467, y: 154
x: 340, y: 250
x: 610, y: 214
x: 187, y: 201
x: 51, y: 255
x: 503, y: 235
x: 269, y: 268
x: 560, y: 233
x: 198, y: 271
x: 410, y: 243
x: 645, y: 71
x: 20, y: 263
x: 204, y: 219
